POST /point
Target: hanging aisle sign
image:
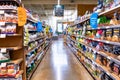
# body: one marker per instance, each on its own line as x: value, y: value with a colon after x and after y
x: 93, y: 20
x: 59, y: 10
x: 22, y: 16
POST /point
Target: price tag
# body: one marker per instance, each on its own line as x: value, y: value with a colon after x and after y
x: 2, y: 11
x: 95, y: 52
x: 2, y: 35
x: 2, y: 23
x: 3, y: 50
x: 109, y: 57
x: 3, y: 64
x: 107, y: 42
x: 108, y: 73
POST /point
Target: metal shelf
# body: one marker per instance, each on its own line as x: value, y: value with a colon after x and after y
x: 104, y: 41
x: 107, y: 55
x: 112, y: 10
x: 106, y: 27
x: 103, y: 67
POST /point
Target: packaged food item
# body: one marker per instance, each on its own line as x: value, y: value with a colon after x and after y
x: 99, y: 34
x: 2, y: 18
x: 94, y: 68
x: 8, y: 18
x: 116, y: 69
x: 4, y: 56
x: 12, y: 69
x: 111, y: 67
x: 109, y: 38
x: 3, y: 69
x: 14, y: 28
x: 94, y: 44
x: 105, y: 61
x: 99, y: 46
x: 116, y: 50
x: 98, y: 59
x: 2, y: 29
x: 108, y: 48
x: 99, y: 71
x: 115, y: 38
x: 105, y: 76
x: 10, y: 29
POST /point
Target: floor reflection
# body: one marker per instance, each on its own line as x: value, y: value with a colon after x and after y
x: 59, y: 60
x: 59, y: 63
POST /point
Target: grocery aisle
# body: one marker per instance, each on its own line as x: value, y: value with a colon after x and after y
x: 60, y: 64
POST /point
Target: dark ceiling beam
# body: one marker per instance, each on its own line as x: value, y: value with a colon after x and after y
x: 62, y: 1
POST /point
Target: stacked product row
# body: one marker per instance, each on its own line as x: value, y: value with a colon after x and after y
x: 97, y: 47
x: 11, y: 66
x: 21, y: 47
x: 36, y: 43
x: 102, y: 7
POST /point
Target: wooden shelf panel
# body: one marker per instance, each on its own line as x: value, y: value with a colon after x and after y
x: 14, y: 34
x: 18, y: 61
x: 13, y: 48
x: 19, y: 74
x: 9, y: 35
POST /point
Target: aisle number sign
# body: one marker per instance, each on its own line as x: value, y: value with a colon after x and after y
x: 22, y: 16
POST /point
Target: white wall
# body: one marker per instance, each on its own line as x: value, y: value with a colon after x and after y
x: 69, y: 15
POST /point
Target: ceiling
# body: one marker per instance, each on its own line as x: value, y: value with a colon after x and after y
x: 45, y: 7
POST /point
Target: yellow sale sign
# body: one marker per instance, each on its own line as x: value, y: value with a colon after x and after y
x: 22, y: 16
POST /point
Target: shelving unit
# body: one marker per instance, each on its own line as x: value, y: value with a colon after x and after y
x: 87, y: 54
x: 12, y: 43
x: 36, y: 45
x: 25, y: 46
x: 41, y: 54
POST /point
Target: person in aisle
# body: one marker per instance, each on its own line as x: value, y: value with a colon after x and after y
x: 64, y: 35
x: 43, y: 24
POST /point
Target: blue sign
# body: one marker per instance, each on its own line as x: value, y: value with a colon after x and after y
x: 50, y: 30
x: 39, y: 26
x: 93, y: 20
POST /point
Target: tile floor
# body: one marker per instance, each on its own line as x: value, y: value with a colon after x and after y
x: 59, y: 63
